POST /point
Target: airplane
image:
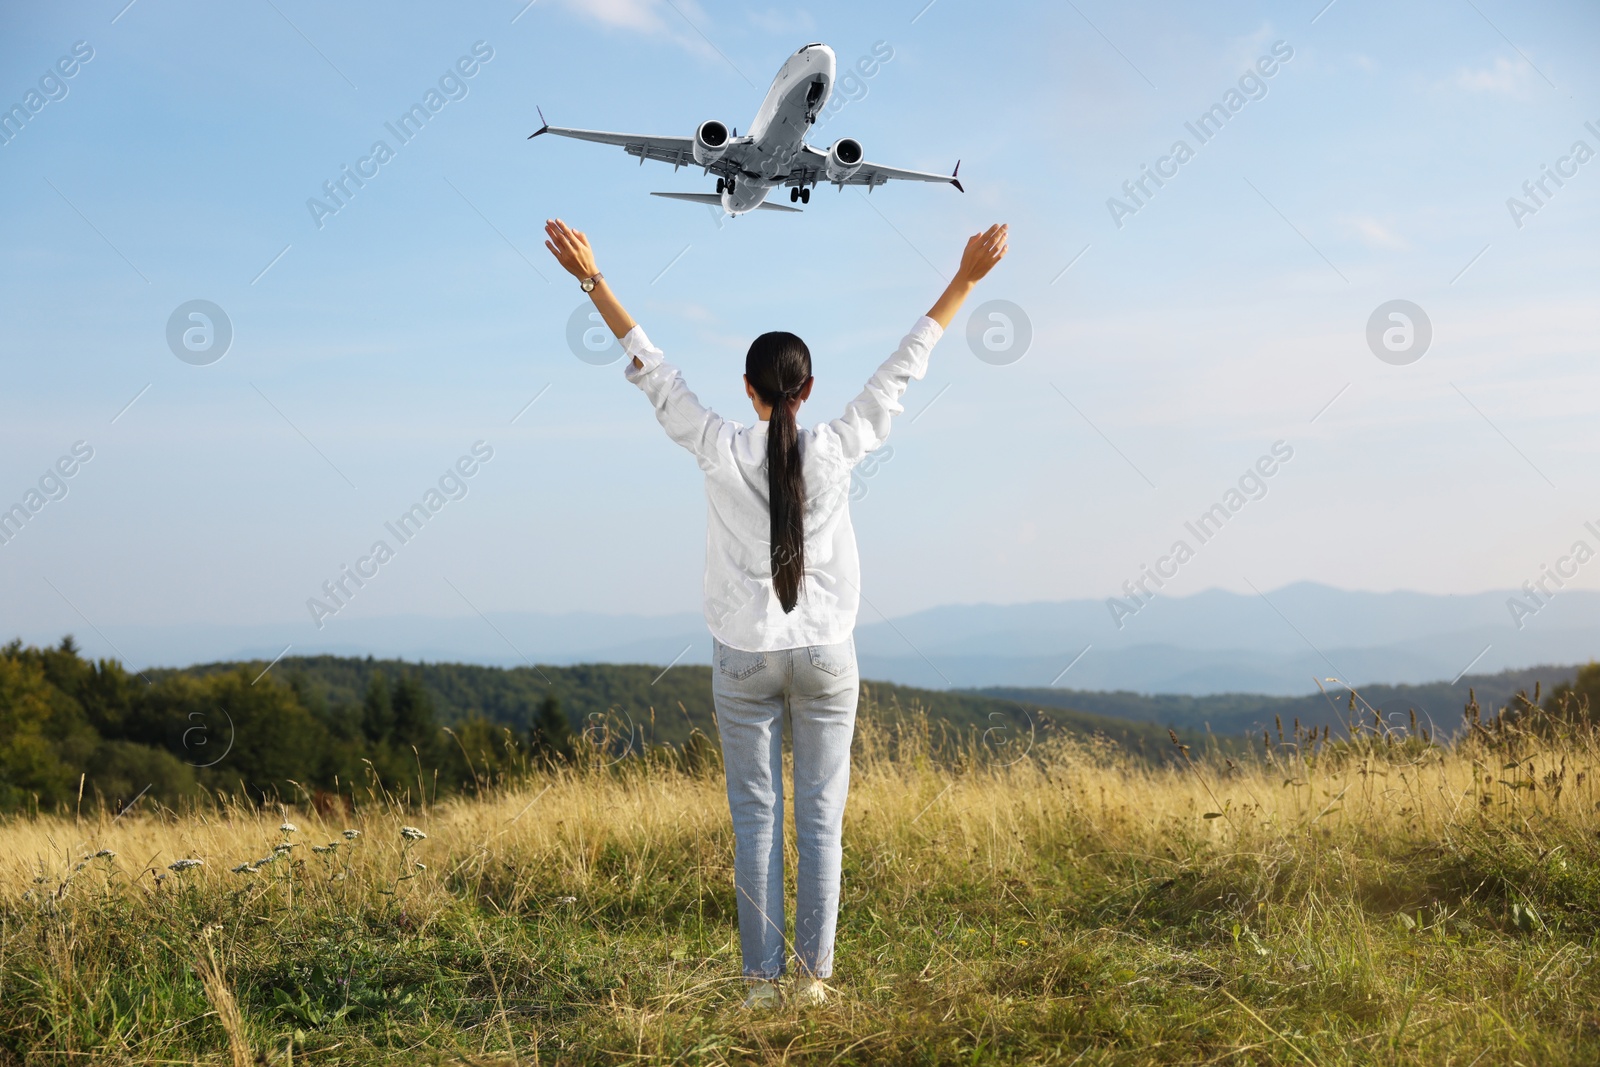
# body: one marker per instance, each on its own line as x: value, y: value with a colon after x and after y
x: 774, y: 151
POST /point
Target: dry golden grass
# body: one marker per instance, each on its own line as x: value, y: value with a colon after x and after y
x: 1383, y: 900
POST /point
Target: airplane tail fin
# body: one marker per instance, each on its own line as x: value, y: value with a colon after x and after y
x: 953, y: 179
x: 713, y: 198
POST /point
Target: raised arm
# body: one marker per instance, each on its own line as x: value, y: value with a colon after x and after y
x: 572, y: 251
x: 686, y: 420
x: 864, y: 426
x: 983, y: 251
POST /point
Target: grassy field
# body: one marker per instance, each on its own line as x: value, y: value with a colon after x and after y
x: 1378, y: 900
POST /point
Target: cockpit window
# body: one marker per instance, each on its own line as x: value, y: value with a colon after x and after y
x: 814, y: 44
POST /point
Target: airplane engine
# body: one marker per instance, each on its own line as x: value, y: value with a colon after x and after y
x: 844, y: 159
x: 710, y: 142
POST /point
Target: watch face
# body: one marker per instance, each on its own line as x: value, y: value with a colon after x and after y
x: 588, y: 285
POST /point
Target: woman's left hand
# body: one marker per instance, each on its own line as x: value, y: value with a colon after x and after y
x: 571, y: 249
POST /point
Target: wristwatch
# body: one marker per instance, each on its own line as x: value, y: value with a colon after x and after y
x: 588, y: 284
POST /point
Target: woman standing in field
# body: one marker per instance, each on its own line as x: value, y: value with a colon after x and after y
x: 781, y: 594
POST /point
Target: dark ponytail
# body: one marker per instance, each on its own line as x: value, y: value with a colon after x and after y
x: 778, y: 366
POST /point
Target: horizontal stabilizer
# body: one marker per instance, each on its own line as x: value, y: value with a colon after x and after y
x: 713, y: 198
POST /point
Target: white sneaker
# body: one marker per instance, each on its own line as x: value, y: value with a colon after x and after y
x: 810, y: 991
x: 762, y: 995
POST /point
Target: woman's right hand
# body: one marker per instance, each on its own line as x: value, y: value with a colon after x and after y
x: 983, y: 251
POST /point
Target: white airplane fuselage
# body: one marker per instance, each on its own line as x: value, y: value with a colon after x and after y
x: 775, y: 138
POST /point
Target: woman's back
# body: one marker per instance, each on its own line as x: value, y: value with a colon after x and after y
x: 742, y: 607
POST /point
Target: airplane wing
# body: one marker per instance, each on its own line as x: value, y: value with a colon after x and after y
x: 679, y: 151
x: 812, y: 167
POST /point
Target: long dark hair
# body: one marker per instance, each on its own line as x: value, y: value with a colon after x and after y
x: 778, y: 366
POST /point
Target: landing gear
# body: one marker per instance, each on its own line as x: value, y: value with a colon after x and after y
x: 729, y: 183
x: 794, y: 194
x: 805, y: 196
x: 722, y: 185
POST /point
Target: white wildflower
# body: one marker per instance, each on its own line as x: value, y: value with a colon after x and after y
x: 411, y: 833
x: 321, y: 848
x: 105, y: 854
x: 351, y: 835
x: 184, y: 865
x: 244, y: 868
x: 289, y: 828
x: 566, y: 900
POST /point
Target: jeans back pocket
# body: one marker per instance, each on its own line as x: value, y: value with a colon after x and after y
x: 738, y: 664
x: 833, y: 659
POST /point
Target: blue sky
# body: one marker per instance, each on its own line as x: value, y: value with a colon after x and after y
x: 1226, y: 314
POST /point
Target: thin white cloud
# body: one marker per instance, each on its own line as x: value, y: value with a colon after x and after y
x: 652, y: 18
x: 1375, y: 234
x: 1504, y: 77
x: 1242, y: 52
x: 641, y: 16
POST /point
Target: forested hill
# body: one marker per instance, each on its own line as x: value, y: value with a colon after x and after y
x: 74, y: 731
x: 1437, y: 705
x: 662, y: 707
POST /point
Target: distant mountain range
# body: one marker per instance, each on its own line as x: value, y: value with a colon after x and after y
x: 1213, y: 642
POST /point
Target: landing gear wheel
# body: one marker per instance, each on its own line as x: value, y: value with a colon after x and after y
x: 722, y: 184
x: 805, y: 196
x: 730, y: 185
x: 794, y: 194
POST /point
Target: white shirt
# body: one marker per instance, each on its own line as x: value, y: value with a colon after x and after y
x: 741, y: 607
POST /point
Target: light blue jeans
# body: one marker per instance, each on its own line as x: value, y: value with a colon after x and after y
x: 818, y: 687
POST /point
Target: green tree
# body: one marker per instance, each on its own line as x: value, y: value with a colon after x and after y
x: 30, y: 762
x: 377, y: 711
x: 415, y: 725
x: 120, y: 771
x: 550, y: 734
x: 271, y: 741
